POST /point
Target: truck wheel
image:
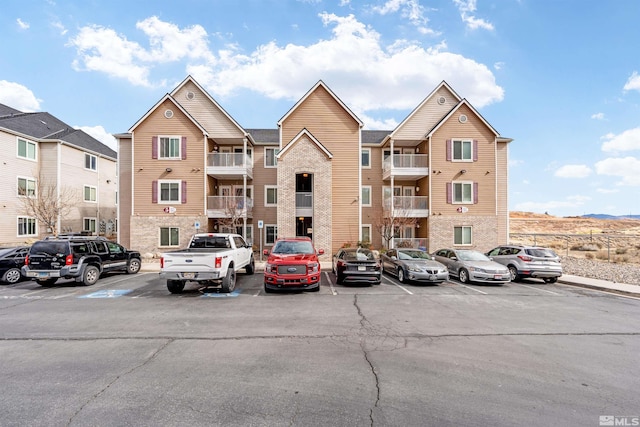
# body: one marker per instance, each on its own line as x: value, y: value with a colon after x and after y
x: 267, y: 290
x: 251, y: 267
x: 90, y: 275
x: 47, y: 282
x: 229, y: 281
x: 175, y: 286
x: 133, y: 266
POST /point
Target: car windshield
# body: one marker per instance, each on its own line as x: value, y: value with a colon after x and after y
x: 413, y: 254
x: 471, y: 256
x: 359, y: 255
x: 292, y: 247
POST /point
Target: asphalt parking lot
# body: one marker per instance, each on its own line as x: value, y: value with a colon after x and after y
x: 125, y: 351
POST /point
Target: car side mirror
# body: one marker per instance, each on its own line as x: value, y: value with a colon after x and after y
x: 454, y: 258
x: 265, y: 252
x: 393, y: 257
x: 321, y: 252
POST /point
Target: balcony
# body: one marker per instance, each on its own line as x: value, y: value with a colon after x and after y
x: 304, y: 204
x: 229, y: 165
x: 407, y: 207
x: 229, y: 206
x: 415, y: 243
x: 405, y: 166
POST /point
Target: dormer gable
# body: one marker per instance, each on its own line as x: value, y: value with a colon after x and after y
x: 300, y: 137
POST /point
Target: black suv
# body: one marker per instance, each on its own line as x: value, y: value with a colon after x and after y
x: 77, y: 257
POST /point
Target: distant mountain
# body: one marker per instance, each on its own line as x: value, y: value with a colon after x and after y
x: 605, y: 216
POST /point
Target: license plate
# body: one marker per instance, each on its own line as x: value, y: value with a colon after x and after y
x: 432, y: 277
x: 188, y: 275
x: 43, y: 274
x: 362, y: 268
x: 497, y: 276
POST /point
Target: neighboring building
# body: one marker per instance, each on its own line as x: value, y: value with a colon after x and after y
x: 45, y: 155
x: 438, y: 179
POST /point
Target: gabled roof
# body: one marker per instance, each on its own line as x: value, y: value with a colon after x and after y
x: 188, y: 79
x: 265, y: 135
x: 42, y: 126
x: 374, y: 136
x: 169, y: 98
x: 333, y: 95
x: 305, y: 132
x: 456, y: 108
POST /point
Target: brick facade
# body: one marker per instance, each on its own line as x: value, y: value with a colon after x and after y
x: 484, y: 237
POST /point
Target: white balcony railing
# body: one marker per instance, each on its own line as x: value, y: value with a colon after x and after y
x: 229, y: 206
x: 405, y: 161
x: 407, y: 203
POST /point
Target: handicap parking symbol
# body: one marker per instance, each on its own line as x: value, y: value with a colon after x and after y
x: 107, y: 293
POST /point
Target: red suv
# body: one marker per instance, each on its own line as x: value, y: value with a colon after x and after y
x: 292, y: 264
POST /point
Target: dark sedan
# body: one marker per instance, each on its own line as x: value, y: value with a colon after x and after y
x: 11, y: 261
x: 356, y: 265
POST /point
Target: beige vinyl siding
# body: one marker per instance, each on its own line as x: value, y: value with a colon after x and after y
x: 124, y: 192
x: 146, y: 169
x: 207, y: 113
x: 426, y: 117
x: 262, y: 176
x: 373, y: 215
x: 482, y: 171
x: 338, y: 132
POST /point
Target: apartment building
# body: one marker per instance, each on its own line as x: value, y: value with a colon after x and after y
x: 438, y: 179
x: 44, y: 161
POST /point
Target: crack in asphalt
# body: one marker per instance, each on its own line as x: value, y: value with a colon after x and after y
x: 95, y: 396
x: 366, y: 325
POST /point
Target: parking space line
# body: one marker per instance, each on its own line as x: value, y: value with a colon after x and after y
x: 541, y: 290
x: 598, y: 290
x: 399, y: 286
x: 333, y: 290
x: 473, y: 289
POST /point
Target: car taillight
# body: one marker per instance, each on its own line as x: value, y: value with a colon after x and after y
x: 26, y: 260
x: 68, y: 260
x: 162, y: 262
x: 218, y: 262
x: 525, y: 258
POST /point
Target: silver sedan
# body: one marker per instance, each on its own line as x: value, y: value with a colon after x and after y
x: 413, y: 265
x: 472, y: 266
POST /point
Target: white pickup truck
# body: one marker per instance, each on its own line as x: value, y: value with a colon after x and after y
x: 211, y: 259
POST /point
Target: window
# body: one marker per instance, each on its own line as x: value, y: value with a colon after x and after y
x: 169, y: 236
x: 270, y: 154
x: 90, y: 162
x: 89, y: 224
x: 462, y: 150
x: 26, y: 149
x: 90, y: 193
x: 366, y: 233
x: 26, y: 226
x: 270, y: 195
x: 169, y: 147
x: 366, y: 195
x: 462, y: 192
x: 169, y: 191
x: 271, y: 233
x: 462, y: 235
x: 26, y: 187
x: 365, y: 159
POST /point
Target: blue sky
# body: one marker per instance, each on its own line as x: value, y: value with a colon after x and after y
x: 560, y: 77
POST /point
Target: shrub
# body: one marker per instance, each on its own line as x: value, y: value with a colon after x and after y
x: 602, y: 255
x: 621, y: 251
x: 589, y: 255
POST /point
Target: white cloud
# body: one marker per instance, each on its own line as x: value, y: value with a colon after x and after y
x: 467, y: 8
x: 515, y: 162
x: 60, y: 27
x: 607, y: 190
x: 598, y: 116
x: 23, y: 25
x: 572, y: 202
x: 633, y: 83
x: 627, y: 141
x: 498, y: 65
x: 410, y: 9
x: 625, y: 167
x: 18, y: 96
x: 99, y: 133
x: 573, y: 171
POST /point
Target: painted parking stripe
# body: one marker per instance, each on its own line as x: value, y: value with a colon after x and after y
x: 222, y: 295
x: 107, y: 293
x: 541, y: 290
x: 333, y: 290
x: 473, y: 289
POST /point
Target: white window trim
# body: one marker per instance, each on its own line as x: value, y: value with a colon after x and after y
x: 35, y: 220
x: 266, y: 226
x: 453, y: 141
x: 370, y: 195
x: 95, y: 222
x: 91, y: 156
x: 453, y: 193
x: 370, y: 231
x: 169, y: 181
x: 179, y: 138
x: 267, y: 204
x: 27, y: 178
x: 275, y: 153
x: 463, y: 227
x: 369, y: 151
x: 160, y: 245
x: 35, y: 149
x: 84, y: 188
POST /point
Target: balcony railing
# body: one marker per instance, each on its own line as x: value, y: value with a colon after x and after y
x: 407, y: 165
x: 229, y: 164
x: 229, y: 206
x: 407, y: 203
x: 304, y: 200
x: 417, y: 243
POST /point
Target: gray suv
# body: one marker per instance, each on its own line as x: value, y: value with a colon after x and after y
x: 528, y: 261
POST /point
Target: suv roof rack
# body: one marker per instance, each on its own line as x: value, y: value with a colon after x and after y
x: 74, y: 237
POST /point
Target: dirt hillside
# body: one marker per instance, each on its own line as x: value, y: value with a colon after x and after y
x: 528, y: 222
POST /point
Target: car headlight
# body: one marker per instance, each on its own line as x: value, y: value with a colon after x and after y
x: 479, y: 270
x: 415, y: 269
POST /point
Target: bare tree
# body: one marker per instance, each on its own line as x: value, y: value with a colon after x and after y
x: 389, y: 221
x: 48, y: 202
x: 233, y: 211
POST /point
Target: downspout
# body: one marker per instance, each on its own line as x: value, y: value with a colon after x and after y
x: 244, y: 188
x: 391, y: 205
x: 59, y: 149
x: 429, y: 195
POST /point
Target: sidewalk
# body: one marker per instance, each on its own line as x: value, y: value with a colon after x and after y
x: 567, y: 279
